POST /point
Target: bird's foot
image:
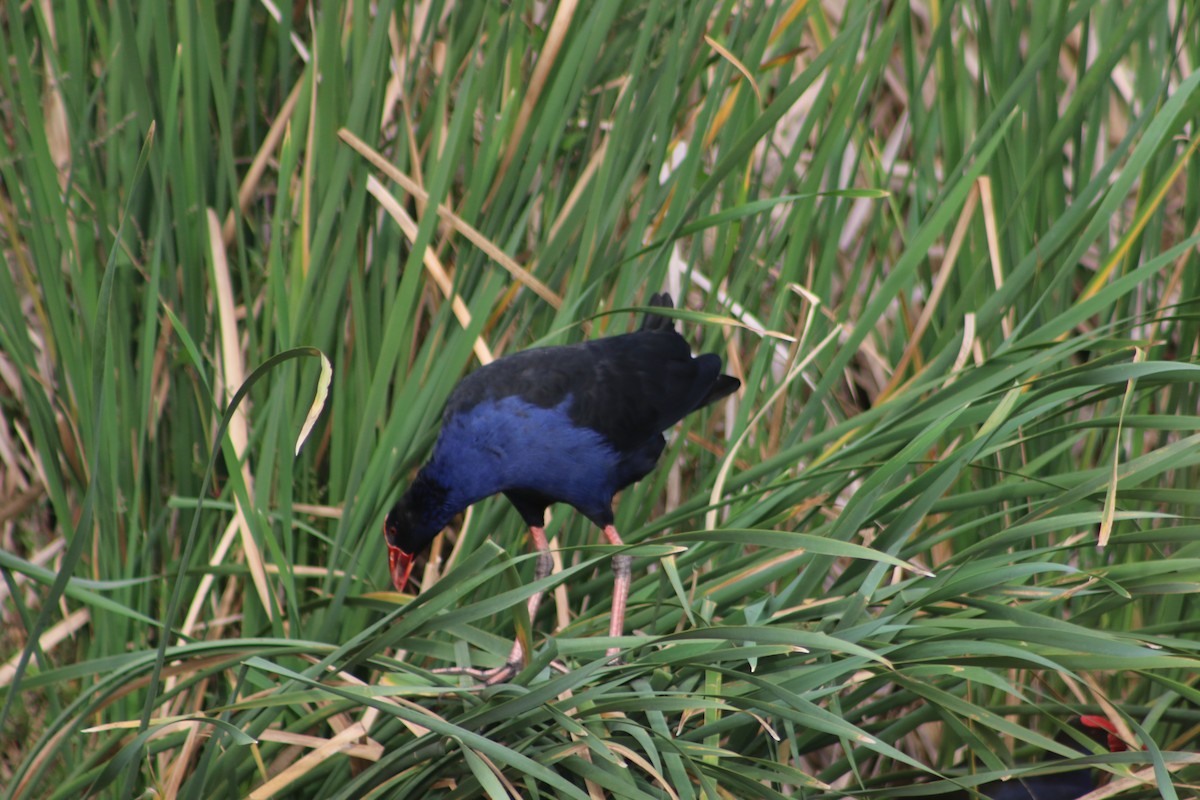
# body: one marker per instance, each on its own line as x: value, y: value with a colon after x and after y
x: 486, y: 677
x: 496, y: 675
x: 614, y: 657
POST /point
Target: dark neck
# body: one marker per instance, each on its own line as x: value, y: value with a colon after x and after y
x: 443, y: 488
x: 424, y: 510
x: 461, y: 479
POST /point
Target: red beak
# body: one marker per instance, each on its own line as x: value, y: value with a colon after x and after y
x: 401, y: 565
x: 1115, y: 745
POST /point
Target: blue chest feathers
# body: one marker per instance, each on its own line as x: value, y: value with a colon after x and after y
x: 510, y: 444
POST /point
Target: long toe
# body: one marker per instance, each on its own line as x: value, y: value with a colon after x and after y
x: 486, y: 677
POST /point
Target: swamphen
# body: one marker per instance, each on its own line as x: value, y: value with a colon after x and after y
x: 1057, y: 786
x: 572, y: 424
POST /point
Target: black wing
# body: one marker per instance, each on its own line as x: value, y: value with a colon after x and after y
x: 628, y: 388
x: 645, y: 382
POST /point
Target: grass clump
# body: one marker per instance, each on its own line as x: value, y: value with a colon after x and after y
x: 948, y: 248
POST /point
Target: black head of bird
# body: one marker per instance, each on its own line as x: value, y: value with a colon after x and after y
x: 411, y: 525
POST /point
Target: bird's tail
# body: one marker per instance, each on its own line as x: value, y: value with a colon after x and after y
x: 710, y: 385
x: 657, y: 322
x: 723, y: 386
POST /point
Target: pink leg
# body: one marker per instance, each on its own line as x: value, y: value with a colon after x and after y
x: 616, y: 626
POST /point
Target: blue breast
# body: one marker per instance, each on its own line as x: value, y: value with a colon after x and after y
x: 507, y: 444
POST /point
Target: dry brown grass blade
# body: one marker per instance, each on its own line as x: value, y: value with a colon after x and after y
x: 577, y: 190
x: 939, y: 286
x: 759, y: 566
x: 50, y: 638
x: 325, y: 512
x: 984, y: 185
x: 737, y: 64
x: 340, y: 744
x: 177, y: 770
x: 231, y: 372
x: 393, y: 93
x: 555, y: 36
x: 433, y: 264
x: 791, y: 15
x: 969, y: 345
x: 496, y: 771
x: 49, y: 752
x: 263, y: 157
x: 562, y: 606
x: 297, y: 43
x: 1109, y: 511
x: 368, y: 751
x: 371, y: 713
x: 1146, y: 211
x: 458, y: 223
x: 52, y: 750
x: 1143, y: 778
x: 307, y: 174
x: 58, y: 137
x: 206, y: 582
x: 721, y: 117
x: 54, y: 117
